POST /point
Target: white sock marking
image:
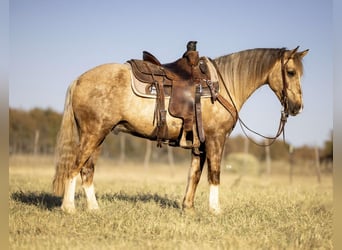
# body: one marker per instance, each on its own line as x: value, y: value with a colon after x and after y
x: 68, y: 204
x: 91, y: 198
x: 214, y: 204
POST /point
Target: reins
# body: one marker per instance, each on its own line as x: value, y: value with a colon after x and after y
x: 236, y: 117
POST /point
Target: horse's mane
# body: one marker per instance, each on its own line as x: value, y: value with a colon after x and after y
x: 248, y: 65
x: 241, y: 69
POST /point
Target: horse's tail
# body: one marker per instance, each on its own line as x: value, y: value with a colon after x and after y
x: 66, y: 147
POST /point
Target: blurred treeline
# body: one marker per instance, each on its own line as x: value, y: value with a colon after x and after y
x: 35, y: 131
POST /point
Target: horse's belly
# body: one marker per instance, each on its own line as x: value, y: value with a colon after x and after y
x: 144, y: 126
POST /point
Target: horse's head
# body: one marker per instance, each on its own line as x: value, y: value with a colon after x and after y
x: 284, y: 80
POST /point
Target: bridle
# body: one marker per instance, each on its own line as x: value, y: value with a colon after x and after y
x: 283, y: 101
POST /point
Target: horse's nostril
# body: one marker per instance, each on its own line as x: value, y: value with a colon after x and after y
x: 295, y: 109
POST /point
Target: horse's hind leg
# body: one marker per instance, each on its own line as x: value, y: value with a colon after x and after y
x: 89, y: 143
x: 87, y: 175
x: 68, y: 204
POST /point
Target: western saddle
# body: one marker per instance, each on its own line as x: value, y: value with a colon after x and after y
x: 184, y: 82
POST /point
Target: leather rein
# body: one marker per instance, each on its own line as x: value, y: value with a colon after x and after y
x: 235, y: 114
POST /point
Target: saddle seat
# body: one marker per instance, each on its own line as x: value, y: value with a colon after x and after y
x: 180, y: 70
x: 184, y: 81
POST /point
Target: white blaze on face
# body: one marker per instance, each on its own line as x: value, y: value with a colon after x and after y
x: 214, y: 199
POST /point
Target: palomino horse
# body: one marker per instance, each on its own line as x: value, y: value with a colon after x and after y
x: 101, y: 100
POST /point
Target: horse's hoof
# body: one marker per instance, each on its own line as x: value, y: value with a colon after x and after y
x: 94, y: 207
x: 188, y: 211
x: 68, y: 209
x: 215, y: 211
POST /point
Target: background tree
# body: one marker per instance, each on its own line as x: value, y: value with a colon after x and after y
x: 24, y: 126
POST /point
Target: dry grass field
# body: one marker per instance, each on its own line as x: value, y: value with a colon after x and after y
x: 141, y: 209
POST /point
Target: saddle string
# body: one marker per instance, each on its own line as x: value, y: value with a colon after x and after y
x: 159, y: 110
x: 284, y: 112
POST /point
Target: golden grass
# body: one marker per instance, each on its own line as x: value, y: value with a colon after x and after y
x: 140, y: 209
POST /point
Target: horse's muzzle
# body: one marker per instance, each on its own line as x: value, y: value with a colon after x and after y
x: 295, y: 109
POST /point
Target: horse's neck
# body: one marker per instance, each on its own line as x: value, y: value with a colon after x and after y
x: 244, y: 72
x: 240, y: 88
x: 241, y: 82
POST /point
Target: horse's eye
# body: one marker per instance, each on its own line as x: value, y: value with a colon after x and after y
x: 291, y: 73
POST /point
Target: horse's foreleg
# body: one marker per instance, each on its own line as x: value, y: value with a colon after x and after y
x: 214, y: 151
x: 195, y: 171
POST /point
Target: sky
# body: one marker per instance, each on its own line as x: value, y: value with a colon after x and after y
x: 53, y: 42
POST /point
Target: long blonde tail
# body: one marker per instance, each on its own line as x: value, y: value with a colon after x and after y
x: 66, y: 147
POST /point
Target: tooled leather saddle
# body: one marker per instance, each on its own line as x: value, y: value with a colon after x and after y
x: 184, y: 81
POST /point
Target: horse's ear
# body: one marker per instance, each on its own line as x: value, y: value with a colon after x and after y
x: 303, y: 53
x: 293, y: 52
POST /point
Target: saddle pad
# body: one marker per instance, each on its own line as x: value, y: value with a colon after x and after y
x: 147, y: 90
